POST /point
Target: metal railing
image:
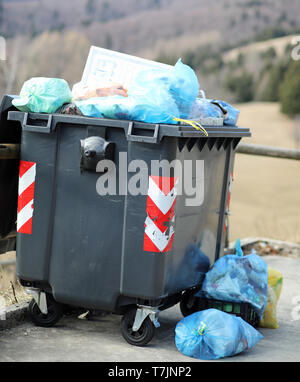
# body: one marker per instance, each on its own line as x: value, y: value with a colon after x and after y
x: 268, y: 151
x: 12, y: 151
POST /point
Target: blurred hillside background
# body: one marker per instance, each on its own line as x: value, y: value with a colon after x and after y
x: 240, y: 49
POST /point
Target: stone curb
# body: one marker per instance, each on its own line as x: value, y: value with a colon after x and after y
x: 15, y: 315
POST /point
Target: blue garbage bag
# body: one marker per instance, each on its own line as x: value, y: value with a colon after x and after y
x: 210, y: 108
x: 159, y: 108
x: 232, y: 113
x: 156, y: 96
x: 238, y: 278
x: 184, y: 87
x: 213, y: 334
x: 43, y: 95
x: 204, y: 108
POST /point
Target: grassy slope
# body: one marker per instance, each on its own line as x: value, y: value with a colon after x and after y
x: 279, y: 44
x: 142, y: 27
x: 266, y: 191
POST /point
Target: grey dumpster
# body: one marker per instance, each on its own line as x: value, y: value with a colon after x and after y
x: 102, y: 224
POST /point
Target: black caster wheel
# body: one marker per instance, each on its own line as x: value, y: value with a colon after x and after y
x: 55, y: 312
x: 188, y: 303
x: 140, y: 338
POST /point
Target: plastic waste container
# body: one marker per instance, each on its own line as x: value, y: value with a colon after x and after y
x: 125, y: 253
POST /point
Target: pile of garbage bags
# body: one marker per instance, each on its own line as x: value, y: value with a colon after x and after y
x: 238, y: 278
x: 213, y: 334
x: 156, y: 95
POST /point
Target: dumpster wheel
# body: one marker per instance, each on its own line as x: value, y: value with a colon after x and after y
x: 188, y: 303
x: 142, y: 336
x: 55, y: 312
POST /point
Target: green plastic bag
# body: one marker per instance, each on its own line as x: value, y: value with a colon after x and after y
x: 43, y: 95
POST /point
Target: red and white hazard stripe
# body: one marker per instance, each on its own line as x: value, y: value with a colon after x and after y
x: 159, y: 231
x: 228, y: 200
x: 229, y: 190
x: 26, y: 196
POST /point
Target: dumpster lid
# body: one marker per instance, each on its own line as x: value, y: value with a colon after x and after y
x: 135, y: 131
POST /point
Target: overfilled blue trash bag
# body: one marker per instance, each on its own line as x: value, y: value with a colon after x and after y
x: 209, y: 108
x: 238, y: 278
x: 184, y: 87
x: 181, y: 83
x: 43, y: 95
x: 203, y: 108
x: 156, y: 96
x: 232, y: 113
x: 157, y: 108
x: 212, y: 334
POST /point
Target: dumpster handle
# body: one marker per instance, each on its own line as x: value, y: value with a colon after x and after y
x: 38, y: 129
x: 140, y: 138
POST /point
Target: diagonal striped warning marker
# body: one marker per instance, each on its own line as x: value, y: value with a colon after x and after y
x: 159, y: 231
x: 26, y: 196
x: 226, y: 224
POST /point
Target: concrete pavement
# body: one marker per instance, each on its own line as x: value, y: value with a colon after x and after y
x: 100, y: 339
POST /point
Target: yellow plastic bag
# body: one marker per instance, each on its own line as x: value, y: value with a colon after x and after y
x: 269, y: 319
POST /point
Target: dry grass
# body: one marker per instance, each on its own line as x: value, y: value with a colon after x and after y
x: 10, y: 288
x: 266, y: 191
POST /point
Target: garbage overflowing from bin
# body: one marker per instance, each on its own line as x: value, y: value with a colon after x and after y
x: 159, y: 94
x: 92, y: 231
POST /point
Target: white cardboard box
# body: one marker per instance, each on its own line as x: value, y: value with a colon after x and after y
x: 110, y: 66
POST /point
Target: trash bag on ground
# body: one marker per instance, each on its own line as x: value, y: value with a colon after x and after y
x: 156, y: 96
x: 82, y: 92
x: 213, y: 334
x: 269, y: 319
x: 239, y: 278
x: 43, y: 95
